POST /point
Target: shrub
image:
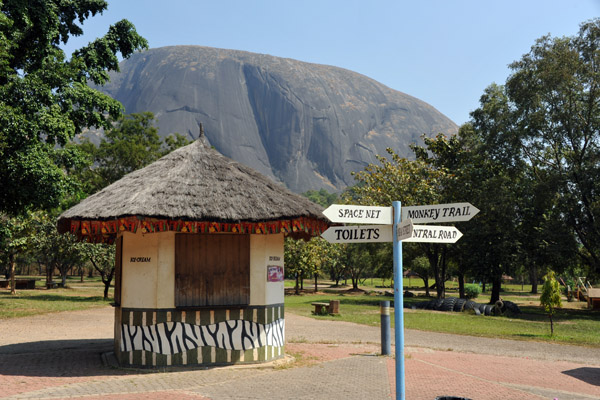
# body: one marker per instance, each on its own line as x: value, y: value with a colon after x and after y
x: 472, y: 290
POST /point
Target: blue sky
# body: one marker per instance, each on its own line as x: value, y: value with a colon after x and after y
x: 442, y: 52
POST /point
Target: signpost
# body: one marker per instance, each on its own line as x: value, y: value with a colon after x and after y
x: 404, y: 230
x: 434, y: 234
x: 440, y: 213
x: 351, y: 214
x: 358, y: 234
x: 396, y: 227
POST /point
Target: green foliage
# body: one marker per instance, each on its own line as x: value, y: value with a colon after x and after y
x: 413, y: 183
x: 45, y: 99
x: 52, y: 249
x: 550, y: 298
x: 321, y: 197
x: 472, y: 291
x: 554, y: 94
x: 102, y: 256
x: 396, y: 179
x: 132, y: 143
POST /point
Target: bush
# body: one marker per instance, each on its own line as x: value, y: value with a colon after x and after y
x: 472, y: 290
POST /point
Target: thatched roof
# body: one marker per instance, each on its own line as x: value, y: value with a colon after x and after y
x: 194, y: 183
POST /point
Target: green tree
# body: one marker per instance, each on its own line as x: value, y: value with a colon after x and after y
x: 56, y: 251
x: 321, y: 197
x: 296, y: 261
x: 322, y: 257
x: 132, y: 143
x: 420, y: 266
x: 102, y: 256
x: 550, y: 297
x: 554, y: 91
x: 14, y: 239
x: 45, y: 99
x: 451, y: 155
x: 489, y: 247
x: 413, y: 183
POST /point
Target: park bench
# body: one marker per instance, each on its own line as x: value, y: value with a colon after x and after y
x: 333, y: 307
x: 593, y: 298
x: 19, y: 283
x: 25, y: 283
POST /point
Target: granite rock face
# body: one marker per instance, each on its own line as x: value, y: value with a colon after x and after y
x: 306, y: 125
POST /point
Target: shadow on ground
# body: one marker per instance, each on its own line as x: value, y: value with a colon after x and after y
x: 588, y: 375
x: 55, y: 358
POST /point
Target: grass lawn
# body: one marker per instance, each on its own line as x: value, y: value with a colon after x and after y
x: 76, y: 296
x: 572, y: 325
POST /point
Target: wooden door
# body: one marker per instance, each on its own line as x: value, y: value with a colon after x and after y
x: 212, y: 270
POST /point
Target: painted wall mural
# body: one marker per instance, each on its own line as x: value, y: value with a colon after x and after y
x: 169, y: 337
x: 177, y: 337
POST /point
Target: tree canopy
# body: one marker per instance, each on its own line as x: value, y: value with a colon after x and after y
x: 130, y: 144
x: 45, y: 99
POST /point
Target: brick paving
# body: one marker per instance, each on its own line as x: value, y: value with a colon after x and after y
x: 334, y: 360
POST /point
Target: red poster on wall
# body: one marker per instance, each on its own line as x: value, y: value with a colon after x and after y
x: 274, y: 273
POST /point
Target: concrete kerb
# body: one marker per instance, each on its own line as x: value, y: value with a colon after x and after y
x: 109, y: 360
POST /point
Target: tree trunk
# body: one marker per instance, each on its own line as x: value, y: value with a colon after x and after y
x: 354, y: 283
x: 426, y: 282
x: 316, y: 286
x: 440, y: 278
x: 13, y: 287
x: 551, y: 325
x: 297, y: 284
x: 106, y: 287
x: 496, y: 286
x: 461, y: 285
x: 533, y: 278
x: 48, y: 274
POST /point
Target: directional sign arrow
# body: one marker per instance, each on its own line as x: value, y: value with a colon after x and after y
x: 404, y: 230
x: 440, y: 212
x: 434, y: 234
x: 358, y: 234
x: 359, y: 214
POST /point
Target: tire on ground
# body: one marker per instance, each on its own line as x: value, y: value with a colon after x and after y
x: 438, y: 304
x: 459, y: 305
x: 488, y: 309
x: 448, y: 304
x: 470, y: 305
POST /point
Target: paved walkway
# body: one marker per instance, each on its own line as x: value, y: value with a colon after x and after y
x: 59, y: 356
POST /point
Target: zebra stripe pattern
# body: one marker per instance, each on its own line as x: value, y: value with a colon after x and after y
x: 177, y: 337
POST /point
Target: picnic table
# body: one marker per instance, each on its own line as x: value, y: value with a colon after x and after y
x: 333, y: 307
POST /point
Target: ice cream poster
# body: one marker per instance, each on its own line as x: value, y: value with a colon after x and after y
x: 274, y: 273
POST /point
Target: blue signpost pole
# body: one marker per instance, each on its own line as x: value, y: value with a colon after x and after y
x: 398, y: 305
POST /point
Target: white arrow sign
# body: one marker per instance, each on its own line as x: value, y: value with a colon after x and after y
x: 359, y: 214
x: 404, y: 230
x: 358, y: 234
x: 440, y: 212
x: 434, y: 234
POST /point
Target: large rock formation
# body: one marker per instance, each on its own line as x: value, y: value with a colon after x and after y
x: 306, y: 125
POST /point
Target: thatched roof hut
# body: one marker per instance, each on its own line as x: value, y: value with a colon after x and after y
x: 193, y: 189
